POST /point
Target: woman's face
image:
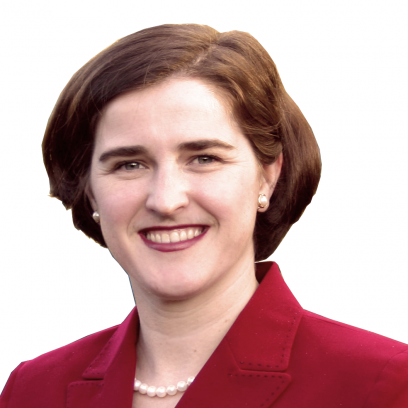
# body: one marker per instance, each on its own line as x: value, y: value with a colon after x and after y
x: 176, y: 184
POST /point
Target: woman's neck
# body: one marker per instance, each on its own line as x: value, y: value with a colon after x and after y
x: 176, y: 338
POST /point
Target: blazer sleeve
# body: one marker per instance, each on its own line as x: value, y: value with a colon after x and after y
x: 8, y: 388
x: 391, y: 387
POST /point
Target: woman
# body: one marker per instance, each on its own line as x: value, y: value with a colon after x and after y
x: 179, y: 150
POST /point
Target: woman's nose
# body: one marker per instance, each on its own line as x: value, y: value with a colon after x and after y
x: 168, y: 192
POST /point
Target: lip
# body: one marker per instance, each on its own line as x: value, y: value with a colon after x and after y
x: 171, y: 227
x: 172, y: 246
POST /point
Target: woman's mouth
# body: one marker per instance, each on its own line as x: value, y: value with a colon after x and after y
x: 176, y: 235
x: 173, y: 239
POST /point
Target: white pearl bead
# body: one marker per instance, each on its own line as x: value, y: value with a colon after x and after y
x: 262, y: 201
x: 143, y: 388
x: 171, y: 390
x: 161, y: 391
x: 181, y: 385
x: 137, y: 385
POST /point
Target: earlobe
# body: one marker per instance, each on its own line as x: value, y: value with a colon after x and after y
x: 96, y: 217
x: 271, y: 173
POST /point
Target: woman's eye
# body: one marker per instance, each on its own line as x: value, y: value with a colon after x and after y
x: 132, y: 166
x: 205, y: 159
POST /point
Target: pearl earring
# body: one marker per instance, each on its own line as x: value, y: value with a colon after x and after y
x: 262, y: 201
x: 96, y: 217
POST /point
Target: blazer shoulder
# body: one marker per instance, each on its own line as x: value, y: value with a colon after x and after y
x: 84, y: 349
x: 8, y: 388
x: 352, y: 338
x: 369, y: 369
x: 391, y: 386
x: 55, y: 368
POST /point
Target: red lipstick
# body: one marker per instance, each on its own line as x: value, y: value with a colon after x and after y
x: 171, y: 246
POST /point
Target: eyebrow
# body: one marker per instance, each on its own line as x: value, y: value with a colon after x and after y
x: 197, y: 145
x: 203, y: 144
x: 126, y: 151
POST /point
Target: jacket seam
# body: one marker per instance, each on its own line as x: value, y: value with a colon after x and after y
x: 82, y: 384
x: 379, y: 375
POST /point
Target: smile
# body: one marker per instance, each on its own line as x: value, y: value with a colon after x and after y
x: 175, y: 235
x: 173, y: 239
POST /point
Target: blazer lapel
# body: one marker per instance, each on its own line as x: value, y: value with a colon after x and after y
x: 247, y: 368
x: 108, y: 381
x: 223, y: 384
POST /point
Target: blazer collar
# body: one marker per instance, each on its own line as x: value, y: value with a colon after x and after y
x: 262, y: 336
x: 246, y: 369
x: 109, y: 378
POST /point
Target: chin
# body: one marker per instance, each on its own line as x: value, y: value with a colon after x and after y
x: 174, y: 292
x: 179, y: 277
x: 176, y: 287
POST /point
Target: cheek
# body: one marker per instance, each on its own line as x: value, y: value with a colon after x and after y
x: 231, y: 199
x: 117, y: 202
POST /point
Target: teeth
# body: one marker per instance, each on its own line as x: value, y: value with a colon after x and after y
x: 175, y: 235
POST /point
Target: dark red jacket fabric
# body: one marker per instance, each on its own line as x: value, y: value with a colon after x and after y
x: 275, y: 355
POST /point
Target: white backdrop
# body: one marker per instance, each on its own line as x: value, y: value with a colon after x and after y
x: 344, y: 63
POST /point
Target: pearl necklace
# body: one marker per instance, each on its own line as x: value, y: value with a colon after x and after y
x: 161, y: 391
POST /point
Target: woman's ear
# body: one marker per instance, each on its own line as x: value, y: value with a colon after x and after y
x: 270, y: 176
x: 91, y: 198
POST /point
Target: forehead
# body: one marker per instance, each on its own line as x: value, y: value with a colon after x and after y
x: 175, y: 109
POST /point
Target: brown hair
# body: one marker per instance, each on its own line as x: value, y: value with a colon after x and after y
x: 234, y: 62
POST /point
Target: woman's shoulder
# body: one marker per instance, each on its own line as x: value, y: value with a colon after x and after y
x: 336, y: 333
x: 83, y: 349
x: 56, y: 367
x: 49, y: 380
x: 340, y: 353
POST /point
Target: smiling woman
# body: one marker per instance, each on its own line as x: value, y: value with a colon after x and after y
x: 179, y: 150
x: 174, y: 187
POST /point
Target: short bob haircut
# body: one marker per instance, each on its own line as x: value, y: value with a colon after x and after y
x: 237, y: 65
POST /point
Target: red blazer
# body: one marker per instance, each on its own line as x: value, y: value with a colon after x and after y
x: 275, y: 355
